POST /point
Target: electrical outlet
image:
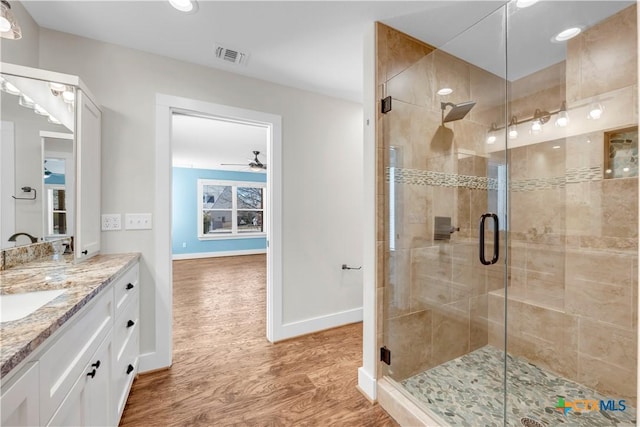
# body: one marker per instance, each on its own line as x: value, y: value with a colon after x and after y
x: 111, y: 222
x: 137, y: 221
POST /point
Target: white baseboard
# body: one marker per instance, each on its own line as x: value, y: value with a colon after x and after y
x: 317, y: 324
x: 367, y: 384
x: 197, y: 255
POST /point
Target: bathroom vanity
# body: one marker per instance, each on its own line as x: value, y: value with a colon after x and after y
x: 72, y: 360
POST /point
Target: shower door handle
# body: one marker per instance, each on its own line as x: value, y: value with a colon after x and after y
x: 496, y: 239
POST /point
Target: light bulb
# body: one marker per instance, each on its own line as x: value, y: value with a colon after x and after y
x: 10, y: 88
x: 595, y: 111
x: 25, y: 101
x: 536, y: 127
x: 40, y: 110
x: 525, y: 3
x: 563, y: 119
x: 513, y: 128
x: 68, y: 96
x: 491, y: 139
x: 57, y: 87
x: 5, y: 25
x: 54, y: 120
x: 182, y: 5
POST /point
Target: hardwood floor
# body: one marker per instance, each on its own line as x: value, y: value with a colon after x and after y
x: 225, y: 372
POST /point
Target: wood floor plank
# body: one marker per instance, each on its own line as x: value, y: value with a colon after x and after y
x: 226, y: 373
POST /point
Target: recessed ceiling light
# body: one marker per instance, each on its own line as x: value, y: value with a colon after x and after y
x: 525, y: 3
x: 567, y: 34
x: 445, y: 91
x: 183, y: 5
x: 555, y: 147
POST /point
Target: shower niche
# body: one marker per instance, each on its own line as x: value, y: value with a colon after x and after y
x: 551, y: 323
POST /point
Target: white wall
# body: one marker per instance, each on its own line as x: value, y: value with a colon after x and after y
x: 322, y: 165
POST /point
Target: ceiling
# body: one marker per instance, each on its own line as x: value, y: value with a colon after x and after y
x: 315, y: 45
x: 206, y: 143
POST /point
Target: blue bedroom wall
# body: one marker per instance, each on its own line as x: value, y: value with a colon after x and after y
x: 185, y: 212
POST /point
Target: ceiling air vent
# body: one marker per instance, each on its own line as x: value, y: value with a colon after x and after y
x: 230, y: 55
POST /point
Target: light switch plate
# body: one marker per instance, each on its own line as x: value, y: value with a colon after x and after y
x: 111, y: 222
x: 137, y: 221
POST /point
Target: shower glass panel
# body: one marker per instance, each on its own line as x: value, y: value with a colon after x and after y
x: 573, y: 229
x: 510, y: 287
x: 440, y: 181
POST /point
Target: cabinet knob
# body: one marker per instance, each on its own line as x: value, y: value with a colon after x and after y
x: 130, y: 323
x: 96, y: 365
x: 129, y: 369
x: 129, y: 286
x: 85, y: 252
x: 93, y: 373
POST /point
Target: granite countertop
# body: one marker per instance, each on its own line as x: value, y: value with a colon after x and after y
x: 82, y: 282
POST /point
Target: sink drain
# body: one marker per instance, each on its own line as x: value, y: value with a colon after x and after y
x: 530, y: 422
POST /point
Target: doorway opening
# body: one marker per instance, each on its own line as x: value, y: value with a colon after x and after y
x: 225, y: 206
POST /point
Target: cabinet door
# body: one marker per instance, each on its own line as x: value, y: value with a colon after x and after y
x: 19, y: 405
x: 89, y: 401
x: 87, y: 177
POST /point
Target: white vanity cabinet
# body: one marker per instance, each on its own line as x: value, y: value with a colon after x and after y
x: 20, y: 404
x: 80, y: 376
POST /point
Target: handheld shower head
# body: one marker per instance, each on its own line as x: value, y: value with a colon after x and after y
x: 457, y: 112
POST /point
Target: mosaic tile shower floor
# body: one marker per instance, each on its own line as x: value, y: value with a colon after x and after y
x: 468, y: 391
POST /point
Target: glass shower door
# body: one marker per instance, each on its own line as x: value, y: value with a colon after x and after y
x: 445, y: 171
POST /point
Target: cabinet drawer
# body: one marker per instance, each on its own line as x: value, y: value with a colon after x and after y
x: 124, y: 372
x: 126, y: 287
x: 126, y: 326
x: 65, y: 360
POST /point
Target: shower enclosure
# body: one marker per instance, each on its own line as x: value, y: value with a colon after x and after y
x: 508, y: 243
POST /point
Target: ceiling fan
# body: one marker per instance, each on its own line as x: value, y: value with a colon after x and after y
x: 254, y: 165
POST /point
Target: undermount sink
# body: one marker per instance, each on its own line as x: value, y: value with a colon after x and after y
x: 16, y: 306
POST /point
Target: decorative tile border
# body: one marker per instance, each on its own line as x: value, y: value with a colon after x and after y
x: 23, y: 254
x: 442, y: 179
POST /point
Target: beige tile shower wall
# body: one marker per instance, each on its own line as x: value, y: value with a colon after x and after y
x: 604, y: 57
x: 432, y: 296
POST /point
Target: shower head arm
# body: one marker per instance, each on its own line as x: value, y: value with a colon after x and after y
x: 444, y: 105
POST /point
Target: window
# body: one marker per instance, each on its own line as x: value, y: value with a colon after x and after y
x: 230, y: 209
x: 56, y: 212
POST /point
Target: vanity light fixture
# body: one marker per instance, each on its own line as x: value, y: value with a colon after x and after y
x: 40, y: 110
x: 513, y: 128
x: 184, y: 5
x: 563, y: 117
x: 525, y: 3
x: 539, y: 118
x: 54, y: 120
x: 9, y: 28
x: 567, y: 34
x: 491, y: 135
x: 9, y: 88
x: 57, y: 88
x: 595, y: 110
x: 26, y: 102
x: 445, y: 91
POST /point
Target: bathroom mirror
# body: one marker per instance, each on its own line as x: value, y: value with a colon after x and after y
x: 37, y: 124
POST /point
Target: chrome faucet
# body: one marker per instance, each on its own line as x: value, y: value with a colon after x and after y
x: 33, y: 239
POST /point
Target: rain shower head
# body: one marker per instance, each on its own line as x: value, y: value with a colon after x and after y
x: 457, y: 112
